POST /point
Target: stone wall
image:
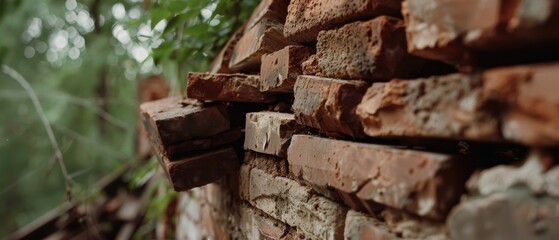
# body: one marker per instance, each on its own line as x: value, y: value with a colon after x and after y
x: 371, y: 119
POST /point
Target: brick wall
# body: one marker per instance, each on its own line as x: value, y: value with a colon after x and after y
x: 371, y: 119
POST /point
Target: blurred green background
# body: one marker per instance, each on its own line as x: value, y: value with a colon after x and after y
x: 83, y: 59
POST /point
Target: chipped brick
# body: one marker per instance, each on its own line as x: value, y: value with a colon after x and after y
x: 306, y: 18
x: 446, y: 107
x: 226, y: 87
x: 264, y: 37
x: 270, y: 132
x: 373, y: 50
x: 329, y: 104
x: 529, y: 93
x: 401, y: 179
x: 279, y: 70
x: 268, y: 9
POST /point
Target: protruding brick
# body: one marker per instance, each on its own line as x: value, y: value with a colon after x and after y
x: 265, y: 37
x: 227, y: 137
x: 268, y: 9
x: 226, y: 87
x: 515, y: 214
x: 149, y: 89
x: 329, y: 104
x: 279, y: 70
x: 374, y: 50
x: 288, y: 201
x: 306, y: 18
x: 172, y: 121
x: 270, y: 132
x: 196, y: 171
x: 530, y: 95
x: 401, y: 179
x: 481, y: 32
x: 449, y: 106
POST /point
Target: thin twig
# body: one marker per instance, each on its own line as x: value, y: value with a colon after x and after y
x: 33, y: 96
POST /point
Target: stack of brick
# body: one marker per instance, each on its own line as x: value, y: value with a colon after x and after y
x: 367, y: 133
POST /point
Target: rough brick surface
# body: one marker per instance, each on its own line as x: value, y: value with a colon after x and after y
x: 530, y: 94
x: 257, y: 225
x: 279, y: 70
x: 329, y: 104
x: 270, y: 164
x: 292, y: 203
x: 449, y: 106
x: 172, y: 121
x: 361, y: 227
x: 196, y: 171
x: 306, y: 18
x: 426, y: 184
x: 536, y: 174
x: 264, y: 37
x: 226, y: 87
x: 149, y: 89
x: 374, y: 50
x: 227, y: 137
x: 270, y: 132
x: 268, y: 9
x: 514, y: 214
x: 480, y: 32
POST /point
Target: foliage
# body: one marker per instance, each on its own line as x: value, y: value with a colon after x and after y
x: 83, y: 59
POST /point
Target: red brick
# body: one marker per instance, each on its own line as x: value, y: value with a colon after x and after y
x: 268, y: 9
x: 292, y: 203
x: 373, y: 50
x: 226, y: 87
x: 329, y: 104
x: 265, y: 37
x: 360, y: 227
x: 306, y: 18
x: 149, y: 89
x: 532, y: 104
x: 172, y: 121
x: 470, y: 33
x: 401, y: 179
x: 220, y: 139
x: 279, y: 70
x: 190, y: 172
x: 450, y: 107
x: 270, y: 132
x: 515, y: 214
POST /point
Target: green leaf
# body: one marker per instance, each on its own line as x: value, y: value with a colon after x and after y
x: 158, y: 15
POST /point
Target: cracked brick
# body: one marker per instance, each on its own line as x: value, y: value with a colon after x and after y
x: 270, y: 132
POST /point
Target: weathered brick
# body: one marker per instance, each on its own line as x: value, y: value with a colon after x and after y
x: 292, y: 203
x: 536, y: 174
x: 449, y: 106
x: 306, y: 18
x: 268, y: 9
x: 529, y: 94
x: 360, y: 227
x: 373, y: 50
x: 265, y: 37
x: 279, y: 70
x: 515, y: 214
x: 149, y: 89
x: 257, y: 225
x: 227, y: 137
x: 481, y: 32
x: 270, y: 164
x: 329, y: 104
x: 401, y: 179
x: 270, y: 132
x: 172, y: 121
x: 226, y: 87
x: 196, y: 171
